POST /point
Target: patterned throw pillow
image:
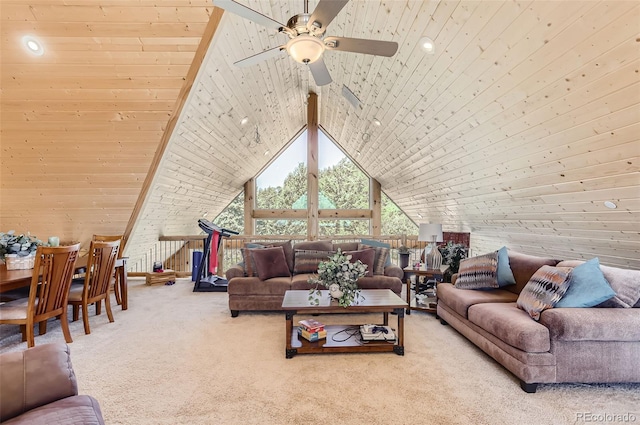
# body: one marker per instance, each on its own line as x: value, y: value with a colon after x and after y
x: 373, y: 242
x: 307, y: 260
x: 380, y: 258
x: 479, y: 272
x: 545, y: 288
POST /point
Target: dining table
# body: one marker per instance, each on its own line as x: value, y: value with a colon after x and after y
x: 15, y: 279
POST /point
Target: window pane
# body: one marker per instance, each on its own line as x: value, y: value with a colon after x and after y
x: 343, y: 227
x: 394, y: 220
x: 281, y: 227
x: 341, y: 183
x: 283, y: 185
x: 232, y: 217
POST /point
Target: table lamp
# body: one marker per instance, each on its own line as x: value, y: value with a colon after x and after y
x: 432, y: 233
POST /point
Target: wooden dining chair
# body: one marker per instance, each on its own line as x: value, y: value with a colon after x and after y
x: 52, y: 272
x: 100, y: 268
x: 117, y: 281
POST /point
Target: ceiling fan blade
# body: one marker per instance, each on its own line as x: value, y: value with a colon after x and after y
x: 361, y: 45
x: 243, y: 11
x: 320, y: 72
x: 324, y: 13
x: 259, y: 57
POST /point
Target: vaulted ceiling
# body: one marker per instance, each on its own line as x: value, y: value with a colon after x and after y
x: 518, y: 129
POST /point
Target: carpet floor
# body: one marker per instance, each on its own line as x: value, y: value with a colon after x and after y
x: 177, y: 357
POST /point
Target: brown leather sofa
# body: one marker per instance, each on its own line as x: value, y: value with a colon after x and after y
x: 253, y: 294
x: 580, y: 345
x: 38, y: 386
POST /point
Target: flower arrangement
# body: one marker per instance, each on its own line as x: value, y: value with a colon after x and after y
x: 22, y: 245
x: 340, y: 276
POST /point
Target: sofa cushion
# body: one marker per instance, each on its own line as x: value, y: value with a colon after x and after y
x: 511, y: 325
x: 478, y: 272
x: 587, y: 286
x: 592, y: 324
x: 381, y: 257
x: 375, y: 243
x: 255, y: 286
x: 314, y: 245
x: 307, y: 260
x: 505, y: 275
x: 625, y: 283
x: 301, y: 281
x: 544, y: 290
x: 345, y: 246
x: 79, y: 409
x: 270, y: 262
x: 524, y: 266
x: 459, y: 300
x: 381, y: 282
x: 366, y: 256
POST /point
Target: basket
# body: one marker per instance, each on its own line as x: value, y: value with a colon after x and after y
x: 14, y: 262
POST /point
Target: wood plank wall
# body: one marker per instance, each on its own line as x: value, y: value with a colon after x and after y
x: 517, y: 129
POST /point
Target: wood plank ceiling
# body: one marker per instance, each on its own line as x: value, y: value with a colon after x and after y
x: 517, y: 129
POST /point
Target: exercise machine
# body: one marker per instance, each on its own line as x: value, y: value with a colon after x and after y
x: 206, y: 281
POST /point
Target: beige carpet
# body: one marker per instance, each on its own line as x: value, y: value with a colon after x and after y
x: 177, y: 357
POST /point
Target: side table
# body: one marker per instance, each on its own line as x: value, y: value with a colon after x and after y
x: 163, y: 277
x: 430, y: 305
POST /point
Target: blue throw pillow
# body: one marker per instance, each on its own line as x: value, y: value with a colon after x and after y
x: 371, y: 242
x: 587, y: 287
x: 505, y: 275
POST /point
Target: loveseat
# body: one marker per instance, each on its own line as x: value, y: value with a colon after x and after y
x: 38, y: 386
x: 599, y: 344
x: 270, y: 269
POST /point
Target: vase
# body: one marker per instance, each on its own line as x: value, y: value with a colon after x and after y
x: 335, y: 291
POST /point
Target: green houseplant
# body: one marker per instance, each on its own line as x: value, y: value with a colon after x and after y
x: 452, y: 254
x: 21, y: 245
x: 340, y: 276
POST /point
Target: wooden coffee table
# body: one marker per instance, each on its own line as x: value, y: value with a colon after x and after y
x: 375, y: 301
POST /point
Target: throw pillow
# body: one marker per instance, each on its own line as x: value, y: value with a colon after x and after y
x: 544, y: 290
x: 366, y: 256
x: 270, y: 262
x: 587, y: 287
x: 379, y: 244
x: 307, y: 260
x: 380, y: 259
x: 505, y: 275
x: 286, y: 245
x: 478, y: 272
x: 248, y: 263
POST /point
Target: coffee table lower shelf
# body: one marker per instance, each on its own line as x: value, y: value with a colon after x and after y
x: 340, y: 339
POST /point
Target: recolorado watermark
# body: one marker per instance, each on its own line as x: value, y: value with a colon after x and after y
x: 605, y: 417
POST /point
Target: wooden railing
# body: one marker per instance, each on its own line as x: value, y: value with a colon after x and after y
x: 176, y: 252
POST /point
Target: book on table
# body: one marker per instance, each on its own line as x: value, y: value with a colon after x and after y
x: 311, y: 325
x: 311, y: 336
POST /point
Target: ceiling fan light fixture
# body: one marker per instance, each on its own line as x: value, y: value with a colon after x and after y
x: 305, y: 49
x: 427, y: 45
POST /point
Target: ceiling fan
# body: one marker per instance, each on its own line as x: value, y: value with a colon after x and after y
x: 306, y: 33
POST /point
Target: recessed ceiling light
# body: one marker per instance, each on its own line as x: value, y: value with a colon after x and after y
x: 244, y: 120
x: 377, y: 122
x: 419, y: 215
x: 266, y: 152
x: 33, y: 45
x: 427, y: 45
x: 610, y: 204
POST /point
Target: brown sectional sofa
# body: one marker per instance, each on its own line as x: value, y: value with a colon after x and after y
x: 585, y: 345
x: 38, y: 386
x: 251, y: 293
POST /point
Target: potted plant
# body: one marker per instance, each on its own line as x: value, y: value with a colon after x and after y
x: 18, y: 251
x: 403, y: 252
x: 452, y: 254
x: 340, y: 276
